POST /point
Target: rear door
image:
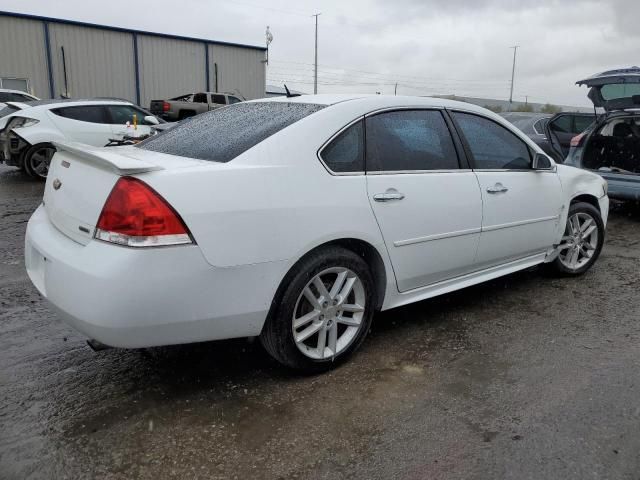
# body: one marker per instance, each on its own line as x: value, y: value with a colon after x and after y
x: 521, y: 206
x: 427, y: 204
x: 83, y: 123
x: 562, y: 127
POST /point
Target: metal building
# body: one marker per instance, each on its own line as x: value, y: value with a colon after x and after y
x: 53, y: 58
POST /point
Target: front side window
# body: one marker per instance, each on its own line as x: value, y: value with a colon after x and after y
x: 409, y: 140
x: 200, y: 98
x: 121, y: 114
x: 222, y: 134
x: 219, y: 99
x: 492, y: 145
x: 84, y: 113
x: 233, y: 100
x: 345, y: 153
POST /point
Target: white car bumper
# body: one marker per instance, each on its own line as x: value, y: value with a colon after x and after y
x: 127, y: 297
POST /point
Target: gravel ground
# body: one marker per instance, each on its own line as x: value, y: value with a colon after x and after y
x: 525, y: 377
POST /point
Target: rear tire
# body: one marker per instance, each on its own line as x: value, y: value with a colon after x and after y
x: 322, y: 311
x: 582, y: 241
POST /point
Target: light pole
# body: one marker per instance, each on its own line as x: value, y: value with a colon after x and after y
x: 315, y: 63
x: 513, y: 72
x: 268, y: 39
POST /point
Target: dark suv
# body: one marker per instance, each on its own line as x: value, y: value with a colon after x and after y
x: 611, y: 146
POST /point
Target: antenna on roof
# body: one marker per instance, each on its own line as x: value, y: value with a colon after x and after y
x: 289, y: 94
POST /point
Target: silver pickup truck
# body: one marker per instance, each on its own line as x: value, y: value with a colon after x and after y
x: 190, y: 104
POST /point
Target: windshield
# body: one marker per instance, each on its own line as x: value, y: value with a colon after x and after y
x: 614, y: 91
x: 223, y: 134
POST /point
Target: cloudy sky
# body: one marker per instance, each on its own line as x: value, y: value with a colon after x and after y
x: 427, y: 46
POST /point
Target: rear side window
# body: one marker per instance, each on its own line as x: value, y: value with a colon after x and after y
x: 562, y: 124
x: 583, y: 122
x: 84, y: 113
x: 345, y: 153
x: 224, y: 133
x: 539, y: 126
x: 409, y: 140
x: 492, y: 145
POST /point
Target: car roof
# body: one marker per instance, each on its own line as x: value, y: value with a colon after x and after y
x: 619, y: 75
x: 10, y: 90
x: 70, y: 102
x: 374, y: 101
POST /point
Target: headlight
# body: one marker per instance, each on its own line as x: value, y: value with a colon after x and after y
x: 21, y: 122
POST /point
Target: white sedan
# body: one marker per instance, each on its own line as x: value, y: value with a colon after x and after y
x: 28, y: 130
x: 295, y: 219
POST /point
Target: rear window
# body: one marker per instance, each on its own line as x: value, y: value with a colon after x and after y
x: 222, y: 134
x: 619, y: 90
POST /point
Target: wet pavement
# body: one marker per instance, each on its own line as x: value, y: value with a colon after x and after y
x: 525, y: 377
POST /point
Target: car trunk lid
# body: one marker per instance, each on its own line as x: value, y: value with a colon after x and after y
x: 81, y: 177
x: 614, y: 89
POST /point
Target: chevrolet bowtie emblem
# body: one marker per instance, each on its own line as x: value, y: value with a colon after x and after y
x: 57, y: 184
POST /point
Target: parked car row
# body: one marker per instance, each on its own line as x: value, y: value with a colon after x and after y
x: 28, y: 130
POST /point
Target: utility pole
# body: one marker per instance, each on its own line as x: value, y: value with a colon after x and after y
x: 315, y: 63
x: 513, y: 72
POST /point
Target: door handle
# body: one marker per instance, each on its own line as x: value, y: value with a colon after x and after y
x: 497, y: 188
x: 388, y: 196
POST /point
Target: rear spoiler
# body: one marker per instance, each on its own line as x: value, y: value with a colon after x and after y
x: 107, y: 158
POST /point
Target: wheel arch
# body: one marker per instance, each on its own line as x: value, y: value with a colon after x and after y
x: 586, y: 198
x: 364, y: 249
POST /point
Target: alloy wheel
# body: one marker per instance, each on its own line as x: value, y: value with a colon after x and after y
x: 579, y: 242
x: 329, y: 313
x: 40, y: 160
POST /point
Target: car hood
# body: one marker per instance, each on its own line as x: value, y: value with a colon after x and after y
x: 614, y: 89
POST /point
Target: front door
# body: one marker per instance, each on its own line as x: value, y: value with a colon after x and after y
x: 429, y: 209
x: 521, y: 206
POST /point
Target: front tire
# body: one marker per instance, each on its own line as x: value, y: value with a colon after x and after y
x: 37, y: 159
x: 322, y: 313
x: 582, y: 241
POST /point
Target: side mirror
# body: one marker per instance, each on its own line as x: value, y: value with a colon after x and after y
x: 150, y: 119
x: 542, y: 162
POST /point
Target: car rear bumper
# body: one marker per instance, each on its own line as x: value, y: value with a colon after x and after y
x: 127, y: 297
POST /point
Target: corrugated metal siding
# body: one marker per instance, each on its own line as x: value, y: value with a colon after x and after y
x: 169, y: 68
x: 22, y: 53
x: 239, y: 70
x: 99, y: 62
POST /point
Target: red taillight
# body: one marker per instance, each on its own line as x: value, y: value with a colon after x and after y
x: 135, y: 215
x: 577, y: 140
x: 165, y: 106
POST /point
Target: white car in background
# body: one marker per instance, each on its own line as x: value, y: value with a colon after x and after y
x: 8, y: 95
x: 28, y: 130
x: 295, y: 219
